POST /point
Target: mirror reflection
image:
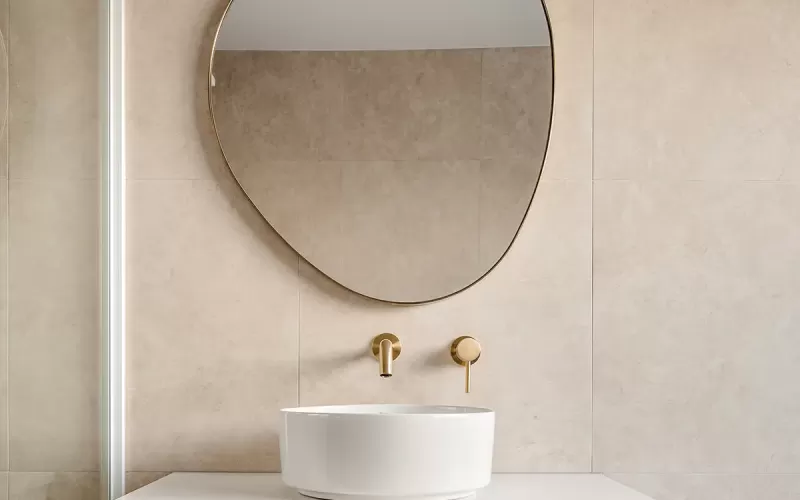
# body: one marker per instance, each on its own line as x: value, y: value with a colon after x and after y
x: 4, y: 83
x: 396, y: 146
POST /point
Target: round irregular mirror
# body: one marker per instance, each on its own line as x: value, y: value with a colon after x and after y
x: 396, y: 146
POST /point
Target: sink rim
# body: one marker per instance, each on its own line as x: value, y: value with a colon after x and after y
x: 389, y: 411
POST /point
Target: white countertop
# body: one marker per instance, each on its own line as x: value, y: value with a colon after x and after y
x: 229, y: 486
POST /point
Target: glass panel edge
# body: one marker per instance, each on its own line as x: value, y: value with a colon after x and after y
x: 112, y: 130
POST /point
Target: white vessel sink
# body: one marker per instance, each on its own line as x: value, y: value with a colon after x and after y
x: 367, y: 452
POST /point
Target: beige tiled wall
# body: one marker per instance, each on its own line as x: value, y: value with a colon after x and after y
x: 644, y: 324
x: 49, y: 204
x: 697, y: 247
x: 226, y: 326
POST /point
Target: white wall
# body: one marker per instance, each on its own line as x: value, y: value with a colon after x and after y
x: 383, y: 25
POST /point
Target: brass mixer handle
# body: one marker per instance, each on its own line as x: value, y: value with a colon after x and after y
x: 465, y: 351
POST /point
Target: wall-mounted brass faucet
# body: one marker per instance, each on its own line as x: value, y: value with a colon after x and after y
x: 386, y: 348
x: 465, y: 351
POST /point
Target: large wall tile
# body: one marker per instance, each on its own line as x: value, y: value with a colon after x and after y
x: 3, y: 485
x: 412, y: 105
x: 54, y: 486
x: 53, y: 325
x: 516, y: 96
x: 54, y: 88
x: 280, y: 105
x: 696, y: 90
x: 169, y: 131
x: 4, y: 86
x: 212, y: 338
x: 569, y: 152
x: 714, y: 486
x: 696, y: 286
x: 537, y: 302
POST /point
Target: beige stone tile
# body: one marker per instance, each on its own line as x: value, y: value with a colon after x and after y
x: 53, y: 325
x: 3, y: 485
x: 714, y: 486
x: 170, y: 135
x: 696, y: 286
x: 4, y: 86
x: 212, y: 330
x: 506, y: 189
x: 412, y: 105
x: 303, y: 201
x: 54, y: 486
x: 711, y: 95
x: 532, y: 315
x: 3, y: 326
x: 54, y: 88
x: 410, y: 229
x: 136, y: 480
x: 516, y: 99
x: 569, y: 153
x: 272, y: 106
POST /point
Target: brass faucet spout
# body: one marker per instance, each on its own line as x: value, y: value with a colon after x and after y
x: 386, y: 348
x: 385, y: 357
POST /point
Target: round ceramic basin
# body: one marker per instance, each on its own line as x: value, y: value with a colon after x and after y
x: 394, y: 452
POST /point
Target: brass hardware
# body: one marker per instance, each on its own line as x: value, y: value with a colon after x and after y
x: 386, y: 348
x: 466, y: 351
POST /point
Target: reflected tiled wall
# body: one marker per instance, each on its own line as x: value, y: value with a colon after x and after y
x: 644, y: 324
x: 49, y: 201
x: 432, y: 141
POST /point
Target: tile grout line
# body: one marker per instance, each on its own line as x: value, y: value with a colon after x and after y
x: 591, y: 250
x: 7, y: 248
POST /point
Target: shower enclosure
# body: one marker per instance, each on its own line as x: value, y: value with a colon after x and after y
x: 61, y: 247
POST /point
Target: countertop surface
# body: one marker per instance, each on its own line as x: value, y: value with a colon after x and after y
x: 230, y: 486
